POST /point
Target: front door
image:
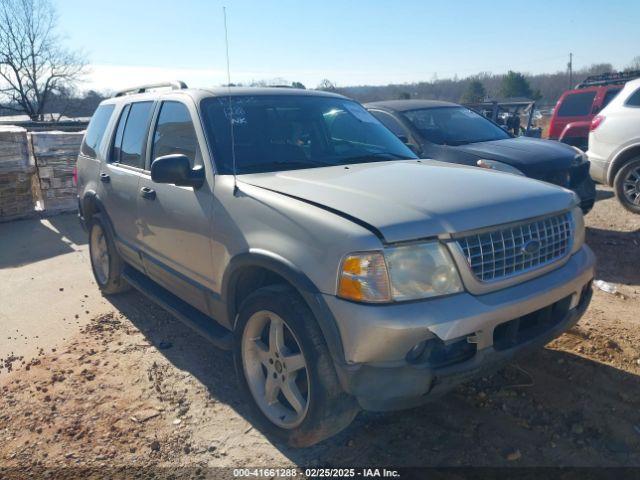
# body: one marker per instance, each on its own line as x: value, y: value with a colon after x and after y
x: 176, y: 221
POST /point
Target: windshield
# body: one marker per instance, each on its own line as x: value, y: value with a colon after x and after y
x: 285, y: 132
x: 454, y: 126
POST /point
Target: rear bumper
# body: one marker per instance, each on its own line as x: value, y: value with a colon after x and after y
x: 599, y: 168
x: 378, y: 339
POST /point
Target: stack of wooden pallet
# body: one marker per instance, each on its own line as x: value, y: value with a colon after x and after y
x: 55, y: 155
x: 16, y: 173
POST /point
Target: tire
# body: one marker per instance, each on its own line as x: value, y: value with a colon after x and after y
x: 328, y: 409
x: 627, y: 185
x: 106, y: 263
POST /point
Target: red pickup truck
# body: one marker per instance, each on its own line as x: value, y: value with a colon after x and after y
x: 576, y: 108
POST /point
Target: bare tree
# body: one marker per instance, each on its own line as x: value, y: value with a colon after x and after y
x: 34, y: 65
x: 635, y: 64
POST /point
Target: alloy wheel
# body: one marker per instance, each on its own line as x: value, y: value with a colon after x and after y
x: 275, y: 369
x: 631, y: 186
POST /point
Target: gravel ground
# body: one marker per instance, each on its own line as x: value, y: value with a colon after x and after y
x: 136, y: 388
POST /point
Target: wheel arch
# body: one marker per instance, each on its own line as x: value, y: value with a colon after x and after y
x: 620, y: 159
x: 91, y: 205
x: 260, y: 262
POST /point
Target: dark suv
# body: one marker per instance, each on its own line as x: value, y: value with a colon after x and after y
x: 453, y: 133
x: 576, y: 108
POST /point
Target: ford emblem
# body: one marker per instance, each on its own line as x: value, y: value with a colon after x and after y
x: 531, y: 247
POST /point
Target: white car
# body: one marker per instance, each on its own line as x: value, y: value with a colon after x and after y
x: 614, y: 146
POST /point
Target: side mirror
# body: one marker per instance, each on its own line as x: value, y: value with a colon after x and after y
x: 176, y: 169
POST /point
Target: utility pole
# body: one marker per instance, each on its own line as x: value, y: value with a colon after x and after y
x: 570, y: 67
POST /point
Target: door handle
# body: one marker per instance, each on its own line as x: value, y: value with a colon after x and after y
x: 148, y: 193
x: 104, y: 178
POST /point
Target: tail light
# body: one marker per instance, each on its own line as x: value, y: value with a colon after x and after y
x: 596, y: 122
x: 75, y: 176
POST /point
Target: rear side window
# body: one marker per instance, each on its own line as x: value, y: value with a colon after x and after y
x: 577, y: 104
x: 634, y: 99
x: 174, y: 133
x: 95, y: 131
x: 131, y: 134
x: 610, y: 95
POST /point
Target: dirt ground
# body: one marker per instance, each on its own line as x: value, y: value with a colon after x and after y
x: 134, y: 387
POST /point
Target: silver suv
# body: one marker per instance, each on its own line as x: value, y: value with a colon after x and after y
x: 344, y: 273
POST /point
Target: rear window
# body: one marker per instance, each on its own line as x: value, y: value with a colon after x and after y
x: 634, y: 99
x: 576, y: 104
x: 95, y: 131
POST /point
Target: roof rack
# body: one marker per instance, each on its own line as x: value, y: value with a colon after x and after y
x: 176, y: 85
x: 614, y: 78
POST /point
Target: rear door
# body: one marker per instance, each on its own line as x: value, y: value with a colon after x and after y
x: 121, y: 172
x: 175, y: 221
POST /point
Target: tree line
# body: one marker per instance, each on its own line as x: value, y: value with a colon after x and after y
x: 545, y: 88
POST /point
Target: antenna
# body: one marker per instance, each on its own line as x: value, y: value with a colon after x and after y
x: 233, y: 140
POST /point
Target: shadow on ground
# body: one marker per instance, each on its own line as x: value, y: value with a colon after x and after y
x: 556, y: 408
x: 612, y: 250
x: 31, y: 240
x: 603, y: 194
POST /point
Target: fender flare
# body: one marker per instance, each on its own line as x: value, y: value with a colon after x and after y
x: 621, y: 157
x: 297, y: 278
x: 92, y: 198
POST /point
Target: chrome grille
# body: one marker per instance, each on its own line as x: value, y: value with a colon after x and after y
x: 510, y: 251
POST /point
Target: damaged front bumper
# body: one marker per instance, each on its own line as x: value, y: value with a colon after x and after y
x: 399, y: 356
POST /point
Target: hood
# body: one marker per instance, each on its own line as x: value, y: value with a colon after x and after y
x: 524, y: 153
x: 411, y: 199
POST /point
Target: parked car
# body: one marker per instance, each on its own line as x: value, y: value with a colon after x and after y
x: 453, y: 133
x: 576, y: 107
x: 614, y: 146
x: 293, y: 228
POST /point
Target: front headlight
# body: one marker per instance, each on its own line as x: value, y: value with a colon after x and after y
x: 408, y: 272
x: 579, y: 229
x: 495, y: 165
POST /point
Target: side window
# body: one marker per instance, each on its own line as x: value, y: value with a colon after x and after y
x: 634, y: 99
x: 610, y: 95
x: 117, y: 142
x: 576, y: 104
x: 130, y: 139
x: 390, y: 122
x: 96, y: 129
x: 174, y: 133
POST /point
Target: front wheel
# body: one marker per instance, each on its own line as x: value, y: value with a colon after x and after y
x: 284, y: 367
x: 627, y: 185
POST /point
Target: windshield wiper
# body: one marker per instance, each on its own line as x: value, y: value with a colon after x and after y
x: 374, y: 157
x: 266, y: 167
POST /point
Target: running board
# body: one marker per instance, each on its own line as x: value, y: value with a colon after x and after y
x: 190, y: 316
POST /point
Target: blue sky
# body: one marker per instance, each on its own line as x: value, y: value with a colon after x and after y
x: 349, y: 42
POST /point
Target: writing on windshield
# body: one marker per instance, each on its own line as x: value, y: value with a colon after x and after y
x: 283, y: 132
